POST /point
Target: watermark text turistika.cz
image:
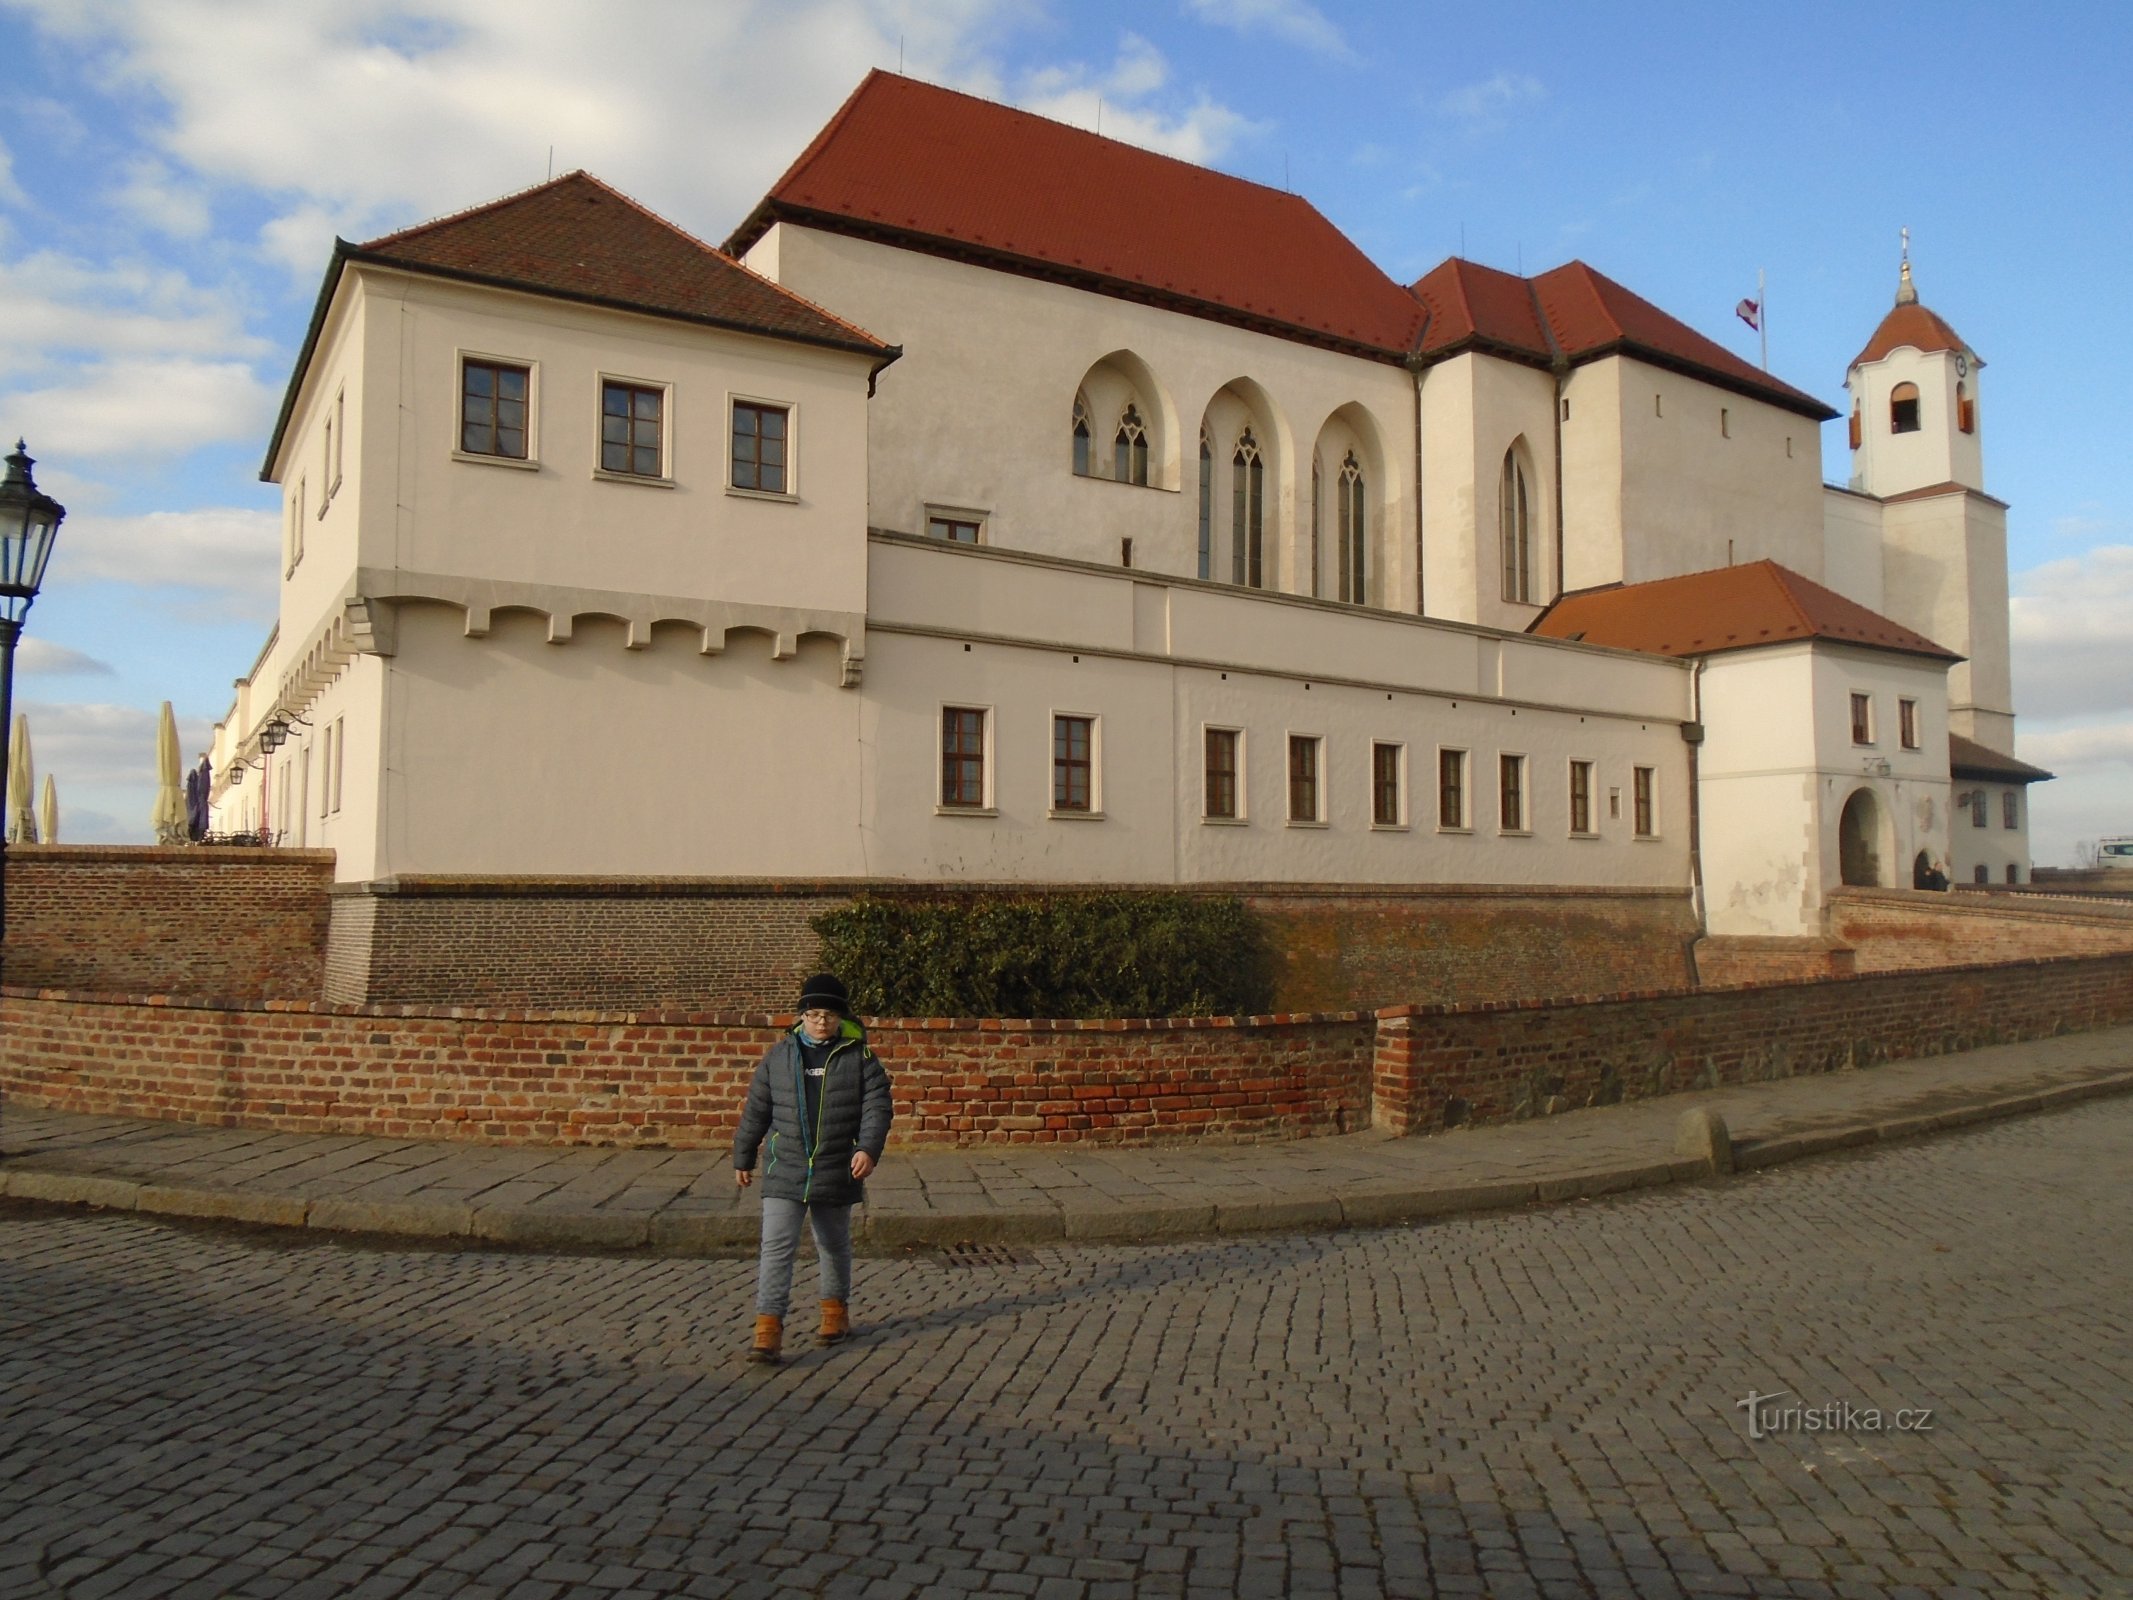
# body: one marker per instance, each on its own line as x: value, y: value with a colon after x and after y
x: 1770, y: 1414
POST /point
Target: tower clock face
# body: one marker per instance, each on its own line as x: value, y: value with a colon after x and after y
x: 1962, y: 366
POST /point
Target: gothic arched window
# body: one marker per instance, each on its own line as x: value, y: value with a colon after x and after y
x: 1515, y: 517
x: 1130, y: 449
x: 1081, y: 437
x: 1247, y: 513
x: 1348, y: 500
x: 1207, y: 506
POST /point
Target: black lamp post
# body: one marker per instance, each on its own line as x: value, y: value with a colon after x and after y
x: 29, y: 523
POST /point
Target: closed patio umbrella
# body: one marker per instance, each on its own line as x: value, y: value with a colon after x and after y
x: 21, y: 784
x: 169, y: 816
x: 48, y: 811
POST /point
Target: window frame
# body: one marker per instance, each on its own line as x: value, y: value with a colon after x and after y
x: 602, y: 382
x: 983, y: 806
x: 1090, y: 764
x: 790, y: 410
x: 1901, y: 421
x: 1514, y: 794
x: 1397, y: 821
x: 1581, y: 794
x: 1514, y: 527
x: 1909, y: 730
x: 1247, y: 527
x: 293, y: 527
x: 958, y: 516
x: 531, y: 460
x: 1236, y: 815
x: 1351, y: 512
x: 1980, y: 808
x: 1862, y: 716
x: 1644, y: 802
x: 1315, y: 745
x: 1454, y: 763
x: 1129, y: 448
x: 2010, y: 810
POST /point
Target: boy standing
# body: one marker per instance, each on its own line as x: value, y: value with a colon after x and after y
x: 820, y: 1100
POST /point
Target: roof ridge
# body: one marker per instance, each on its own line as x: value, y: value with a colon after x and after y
x: 417, y: 229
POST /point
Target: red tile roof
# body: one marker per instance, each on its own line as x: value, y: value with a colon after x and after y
x: 576, y: 237
x: 932, y: 168
x: 1470, y: 305
x: 1969, y: 759
x: 1909, y: 323
x: 1729, y: 608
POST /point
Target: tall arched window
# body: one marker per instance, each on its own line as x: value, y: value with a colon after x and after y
x: 1130, y: 449
x: 1317, y: 522
x: 1247, y: 513
x: 1081, y: 437
x: 1348, y: 498
x: 1903, y: 408
x: 1515, y: 514
x: 1207, y: 504
x: 1965, y: 407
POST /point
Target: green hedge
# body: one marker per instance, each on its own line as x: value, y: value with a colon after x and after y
x: 1037, y: 955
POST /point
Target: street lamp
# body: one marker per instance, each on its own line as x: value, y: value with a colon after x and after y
x: 29, y: 523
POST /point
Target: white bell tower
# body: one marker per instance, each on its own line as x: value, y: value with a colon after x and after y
x: 1915, y: 408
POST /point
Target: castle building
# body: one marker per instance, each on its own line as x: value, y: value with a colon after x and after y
x: 1003, y: 503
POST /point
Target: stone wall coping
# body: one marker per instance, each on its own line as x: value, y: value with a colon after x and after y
x: 1968, y: 900
x: 154, y: 854
x: 475, y: 886
x: 769, y: 1021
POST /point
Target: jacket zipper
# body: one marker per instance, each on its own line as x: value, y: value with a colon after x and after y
x: 814, y: 1143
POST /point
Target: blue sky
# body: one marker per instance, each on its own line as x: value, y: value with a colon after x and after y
x: 173, y: 173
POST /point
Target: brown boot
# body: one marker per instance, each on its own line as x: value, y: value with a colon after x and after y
x: 769, y: 1334
x: 836, y: 1323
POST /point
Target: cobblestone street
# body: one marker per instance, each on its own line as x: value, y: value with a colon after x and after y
x: 1540, y: 1402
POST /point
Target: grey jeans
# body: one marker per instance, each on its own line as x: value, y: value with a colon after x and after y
x: 781, y: 1237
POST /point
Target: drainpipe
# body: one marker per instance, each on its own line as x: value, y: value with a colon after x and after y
x: 1414, y: 366
x: 1692, y: 736
x: 1562, y: 534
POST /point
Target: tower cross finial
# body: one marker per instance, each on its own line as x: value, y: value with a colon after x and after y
x: 1906, y: 294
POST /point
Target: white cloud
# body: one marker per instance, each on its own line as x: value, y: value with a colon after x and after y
x: 2089, y: 745
x: 157, y: 198
x: 1483, y: 106
x: 35, y: 657
x: 10, y: 191
x: 1296, y: 21
x: 132, y: 409
x: 1074, y: 94
x: 2071, y: 623
x: 228, y: 553
x: 57, y: 305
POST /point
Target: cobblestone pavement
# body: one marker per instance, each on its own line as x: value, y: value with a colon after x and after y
x: 1528, y: 1403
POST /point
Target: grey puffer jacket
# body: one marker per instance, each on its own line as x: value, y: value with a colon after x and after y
x: 814, y: 1164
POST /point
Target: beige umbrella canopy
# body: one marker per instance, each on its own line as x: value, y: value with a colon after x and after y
x: 48, y: 811
x: 169, y: 817
x: 21, y: 782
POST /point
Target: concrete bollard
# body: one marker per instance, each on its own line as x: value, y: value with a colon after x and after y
x: 1701, y: 1134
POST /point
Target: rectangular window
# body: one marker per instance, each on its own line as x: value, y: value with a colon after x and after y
x: 1907, y: 723
x: 1385, y: 763
x: 326, y: 474
x: 339, y: 438
x: 1581, y: 797
x: 1862, y: 719
x: 1978, y: 802
x: 340, y: 758
x: 1511, y: 793
x: 295, y: 536
x: 1451, y: 788
x: 1220, y: 798
x: 492, y: 408
x: 760, y: 437
x: 2010, y: 809
x: 1640, y: 793
x: 956, y: 530
x: 632, y: 429
x: 1303, y: 778
x: 963, y: 758
x: 1073, y: 763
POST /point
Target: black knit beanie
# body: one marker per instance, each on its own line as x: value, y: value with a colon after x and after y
x: 825, y: 992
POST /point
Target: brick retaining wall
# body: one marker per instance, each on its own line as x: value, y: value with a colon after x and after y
x: 1896, y: 930
x: 674, y: 1080
x: 223, y: 921
x: 1439, y: 1066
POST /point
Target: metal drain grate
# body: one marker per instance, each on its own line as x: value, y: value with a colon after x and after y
x: 981, y: 1255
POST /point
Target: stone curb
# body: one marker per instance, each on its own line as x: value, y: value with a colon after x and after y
x: 699, y: 1233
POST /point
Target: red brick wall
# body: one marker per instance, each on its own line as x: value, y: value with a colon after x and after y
x: 1894, y: 930
x: 1727, y: 960
x: 1440, y: 1066
x: 671, y: 1080
x: 1356, y: 946
x: 233, y: 923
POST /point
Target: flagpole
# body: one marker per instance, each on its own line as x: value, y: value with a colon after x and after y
x: 1762, y: 316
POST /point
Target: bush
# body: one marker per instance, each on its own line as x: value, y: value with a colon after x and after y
x: 1035, y: 955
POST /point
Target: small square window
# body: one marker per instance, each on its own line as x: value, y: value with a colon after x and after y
x: 632, y: 429
x: 1907, y: 723
x: 963, y: 758
x: 1073, y: 763
x: 955, y: 529
x: 1862, y: 719
x: 1643, y: 815
x: 1387, y: 762
x: 761, y: 446
x: 1451, y: 788
x: 1222, y: 798
x: 494, y: 408
x: 1304, y: 792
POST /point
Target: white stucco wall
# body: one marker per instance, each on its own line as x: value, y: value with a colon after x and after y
x: 1994, y: 847
x: 1945, y: 574
x: 1851, y: 546
x: 1937, y: 451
